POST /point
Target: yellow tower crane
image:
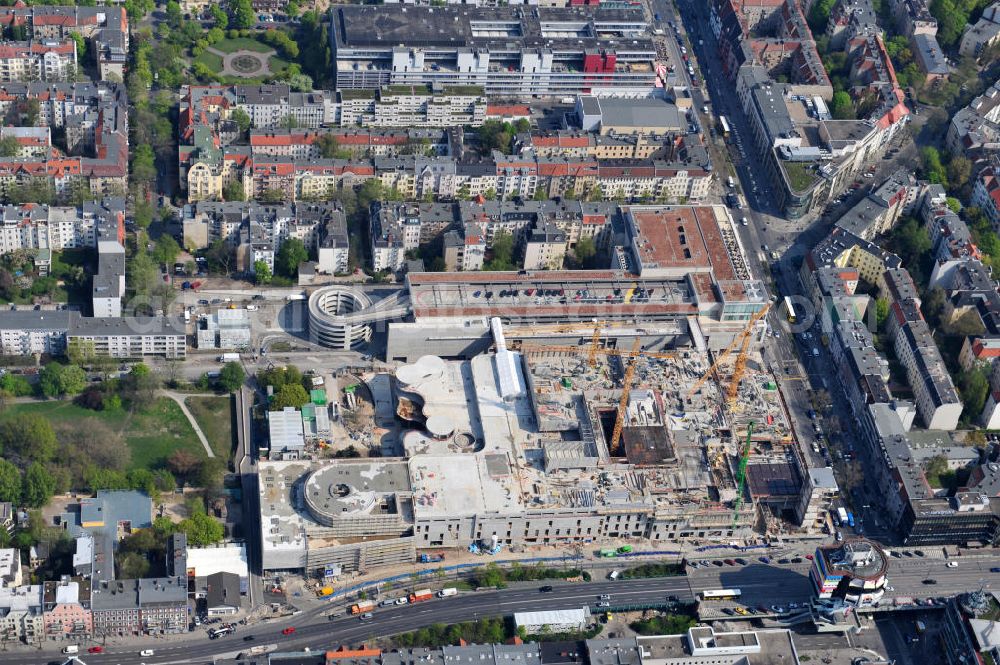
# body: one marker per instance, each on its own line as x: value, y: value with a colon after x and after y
x: 616, y: 434
x: 743, y: 339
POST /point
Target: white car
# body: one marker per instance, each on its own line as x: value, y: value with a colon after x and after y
x: 251, y: 308
x: 952, y: 564
x: 147, y: 652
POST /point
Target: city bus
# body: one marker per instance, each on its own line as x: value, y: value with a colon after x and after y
x: 724, y: 126
x: 721, y: 594
x: 792, y: 318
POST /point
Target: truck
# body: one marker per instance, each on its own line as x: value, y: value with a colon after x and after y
x: 433, y: 557
x: 421, y: 595
x: 216, y: 633
x: 362, y: 606
x: 842, y: 514
x: 447, y: 591
x: 568, y: 100
x: 229, y: 358
x: 325, y: 591
x: 295, y: 296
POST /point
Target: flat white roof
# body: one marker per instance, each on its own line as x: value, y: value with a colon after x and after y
x: 551, y: 617
x: 205, y: 561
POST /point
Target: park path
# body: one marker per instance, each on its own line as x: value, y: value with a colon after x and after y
x: 180, y: 399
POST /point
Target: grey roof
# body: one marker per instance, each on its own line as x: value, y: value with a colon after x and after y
x: 223, y: 590
x: 930, y: 55
x: 156, y: 325
x: 640, y: 113
x: 37, y: 320
x: 452, y: 26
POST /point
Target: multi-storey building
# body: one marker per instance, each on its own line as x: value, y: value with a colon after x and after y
x: 261, y: 229
x: 67, y: 609
x: 95, y: 120
x: 29, y: 332
x: 983, y: 34
x: 106, y: 27
x: 130, y: 337
x: 413, y: 106
x: 136, y: 607
x: 508, y: 51
x: 21, y: 613
x: 47, y: 60
x: 975, y: 130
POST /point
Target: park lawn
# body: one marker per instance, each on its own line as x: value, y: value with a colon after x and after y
x: 210, y: 60
x: 277, y: 65
x: 215, y: 417
x: 241, y: 44
x: 152, y: 434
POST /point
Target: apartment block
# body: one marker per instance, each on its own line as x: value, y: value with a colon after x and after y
x: 108, y: 287
x: 30, y: 332
x: 152, y: 606
x: 413, y: 106
x: 106, y: 27
x: 94, y: 117
x: 983, y: 34
x: 975, y: 130
x: 495, y: 49
x: 47, y: 60
x: 130, y: 337
x: 55, y: 228
x: 21, y: 613
x: 67, y: 610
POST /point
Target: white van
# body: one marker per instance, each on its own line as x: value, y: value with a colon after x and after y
x: 613, y: 575
x: 71, y: 649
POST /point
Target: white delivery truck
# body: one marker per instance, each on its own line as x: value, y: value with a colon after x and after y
x: 448, y: 591
x: 229, y: 358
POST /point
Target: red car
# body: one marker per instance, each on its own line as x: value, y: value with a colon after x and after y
x: 809, y: 556
x: 95, y: 650
x: 288, y: 631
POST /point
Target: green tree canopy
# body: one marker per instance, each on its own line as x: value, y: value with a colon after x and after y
x: 261, y: 272
x: 167, y: 250
x: 290, y: 394
x: 289, y: 256
x: 201, y: 529
x: 27, y: 436
x: 38, y: 486
x: 243, y: 16
x: 842, y: 108
x: 10, y: 482
x: 232, y: 376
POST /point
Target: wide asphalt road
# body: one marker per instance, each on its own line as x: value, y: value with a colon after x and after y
x: 760, y: 584
x: 317, y: 632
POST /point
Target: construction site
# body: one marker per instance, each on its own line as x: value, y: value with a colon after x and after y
x: 556, y: 444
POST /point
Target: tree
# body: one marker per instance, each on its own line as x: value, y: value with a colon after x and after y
x: 933, y: 306
x: 132, y: 565
x: 289, y: 395
x: 242, y: 120
x: 139, y: 386
x: 10, y: 482
x: 15, y: 385
x: 973, y: 386
x: 261, y: 272
x: 220, y: 256
x: 934, y: 170
x: 174, y: 14
x: 290, y: 255
x: 819, y: 15
x: 232, y: 376
x: 243, y: 16
x: 502, y: 252
x: 841, y: 106
x: 881, y: 312
x: 72, y: 380
x: 143, y: 214
x: 143, y: 164
x: 9, y: 146
x: 220, y: 17
x: 183, y: 462
x: 28, y: 436
x: 49, y: 382
x: 201, y: 529
x: 585, y: 251
x: 233, y: 191
x: 329, y: 147
x: 167, y: 250
x: 959, y: 170
x: 38, y: 486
